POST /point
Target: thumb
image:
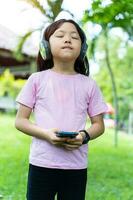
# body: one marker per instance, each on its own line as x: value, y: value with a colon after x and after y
x: 55, y: 129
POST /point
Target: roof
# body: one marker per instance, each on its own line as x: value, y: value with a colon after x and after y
x: 9, y: 40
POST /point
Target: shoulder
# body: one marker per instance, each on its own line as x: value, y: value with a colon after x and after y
x: 37, y: 77
x: 88, y: 81
x: 88, y: 85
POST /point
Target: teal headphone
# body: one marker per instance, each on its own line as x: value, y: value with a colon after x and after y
x: 45, y: 51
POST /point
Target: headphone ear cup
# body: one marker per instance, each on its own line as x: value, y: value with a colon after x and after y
x: 44, y: 49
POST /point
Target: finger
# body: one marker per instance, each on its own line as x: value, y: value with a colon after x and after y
x: 74, y: 142
x: 55, y: 130
x: 70, y: 149
x: 71, y: 146
x: 60, y: 140
x: 76, y: 139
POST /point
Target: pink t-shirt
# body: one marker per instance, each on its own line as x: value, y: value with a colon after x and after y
x: 63, y: 102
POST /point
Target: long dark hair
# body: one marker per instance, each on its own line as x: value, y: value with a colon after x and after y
x: 81, y: 66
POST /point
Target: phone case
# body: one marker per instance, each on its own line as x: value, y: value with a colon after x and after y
x: 67, y: 134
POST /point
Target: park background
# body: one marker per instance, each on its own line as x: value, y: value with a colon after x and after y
x: 108, y: 25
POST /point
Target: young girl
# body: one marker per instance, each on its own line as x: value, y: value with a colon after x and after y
x: 61, y: 95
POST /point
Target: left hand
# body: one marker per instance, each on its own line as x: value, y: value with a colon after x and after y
x: 73, y: 143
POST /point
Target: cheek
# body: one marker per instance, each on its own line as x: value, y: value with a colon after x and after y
x: 52, y: 47
x: 54, y: 50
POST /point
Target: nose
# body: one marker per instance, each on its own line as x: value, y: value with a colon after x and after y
x: 67, y: 39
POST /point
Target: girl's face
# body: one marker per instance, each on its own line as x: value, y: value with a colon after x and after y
x: 65, y: 43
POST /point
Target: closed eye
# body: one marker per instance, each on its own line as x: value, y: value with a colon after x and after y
x: 59, y: 36
x: 76, y: 38
x: 73, y: 37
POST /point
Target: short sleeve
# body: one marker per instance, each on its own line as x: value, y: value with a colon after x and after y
x: 27, y: 95
x: 96, y: 104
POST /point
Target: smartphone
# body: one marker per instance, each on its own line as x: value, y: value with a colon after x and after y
x: 67, y: 134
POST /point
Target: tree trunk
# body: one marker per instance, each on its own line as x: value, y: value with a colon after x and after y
x: 113, y: 89
x: 130, y: 122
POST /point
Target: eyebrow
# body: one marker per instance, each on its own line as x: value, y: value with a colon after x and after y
x: 65, y: 31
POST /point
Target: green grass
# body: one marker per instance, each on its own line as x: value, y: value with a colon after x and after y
x: 14, y: 148
x: 110, y: 172
x: 110, y: 169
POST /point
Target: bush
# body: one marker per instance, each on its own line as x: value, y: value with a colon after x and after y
x: 8, y: 84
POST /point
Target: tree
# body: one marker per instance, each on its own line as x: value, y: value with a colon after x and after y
x: 111, y: 15
x: 54, y: 7
x: 122, y: 67
x: 53, y: 10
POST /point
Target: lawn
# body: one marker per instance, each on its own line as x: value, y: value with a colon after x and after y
x: 110, y: 171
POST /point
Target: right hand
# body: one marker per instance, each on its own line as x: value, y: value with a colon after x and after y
x: 53, y: 139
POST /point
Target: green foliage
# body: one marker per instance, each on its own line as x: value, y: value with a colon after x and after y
x: 109, y: 172
x: 36, y: 4
x: 110, y: 15
x: 9, y: 85
x: 122, y: 67
x: 54, y: 8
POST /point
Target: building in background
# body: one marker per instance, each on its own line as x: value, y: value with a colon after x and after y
x: 19, y: 68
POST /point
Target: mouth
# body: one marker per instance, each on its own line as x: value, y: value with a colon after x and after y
x: 67, y: 47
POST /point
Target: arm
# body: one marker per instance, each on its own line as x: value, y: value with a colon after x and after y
x: 97, y: 126
x: 22, y: 123
x: 96, y: 129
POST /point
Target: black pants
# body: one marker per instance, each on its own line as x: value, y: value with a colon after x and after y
x: 45, y: 183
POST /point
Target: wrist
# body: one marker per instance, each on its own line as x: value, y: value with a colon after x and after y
x: 85, y: 135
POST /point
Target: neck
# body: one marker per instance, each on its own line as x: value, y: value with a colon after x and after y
x: 64, y: 67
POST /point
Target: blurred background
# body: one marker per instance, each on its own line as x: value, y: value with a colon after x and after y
x: 108, y: 26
